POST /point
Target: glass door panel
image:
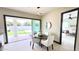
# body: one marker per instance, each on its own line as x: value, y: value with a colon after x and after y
x: 10, y: 29
x: 18, y: 29
x: 36, y: 26
x: 24, y: 28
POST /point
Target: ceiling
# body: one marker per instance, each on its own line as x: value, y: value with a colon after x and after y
x: 33, y: 10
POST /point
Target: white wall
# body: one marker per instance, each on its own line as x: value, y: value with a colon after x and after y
x: 5, y: 11
x: 54, y: 17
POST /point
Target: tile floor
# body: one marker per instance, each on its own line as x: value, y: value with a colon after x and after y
x: 24, y: 45
x: 68, y: 41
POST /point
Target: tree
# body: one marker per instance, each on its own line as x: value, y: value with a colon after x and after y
x: 18, y: 24
x: 9, y: 23
x: 27, y: 24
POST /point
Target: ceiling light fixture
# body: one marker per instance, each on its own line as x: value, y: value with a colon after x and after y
x: 38, y: 11
x: 38, y: 7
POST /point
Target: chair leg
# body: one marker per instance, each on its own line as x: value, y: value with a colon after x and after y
x: 30, y: 43
x: 52, y: 46
x: 41, y: 45
x: 33, y: 46
x: 47, y: 48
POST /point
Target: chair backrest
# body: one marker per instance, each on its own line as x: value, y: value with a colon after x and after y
x: 50, y: 39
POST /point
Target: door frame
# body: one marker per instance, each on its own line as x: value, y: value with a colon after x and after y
x: 5, y: 27
x: 76, y: 26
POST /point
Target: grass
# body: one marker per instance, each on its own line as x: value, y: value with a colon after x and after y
x: 24, y: 32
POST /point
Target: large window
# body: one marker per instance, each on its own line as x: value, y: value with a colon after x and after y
x: 20, y: 28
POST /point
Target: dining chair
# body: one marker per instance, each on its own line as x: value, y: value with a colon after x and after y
x: 49, y: 41
x: 34, y: 40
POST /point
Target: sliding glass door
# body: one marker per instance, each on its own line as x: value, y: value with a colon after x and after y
x: 18, y: 28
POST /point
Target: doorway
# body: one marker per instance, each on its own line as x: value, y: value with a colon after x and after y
x: 19, y: 28
x: 68, y: 33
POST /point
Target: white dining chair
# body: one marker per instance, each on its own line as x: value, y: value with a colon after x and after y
x: 49, y: 41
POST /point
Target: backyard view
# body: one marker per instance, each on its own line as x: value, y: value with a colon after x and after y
x: 10, y: 33
x: 23, y: 27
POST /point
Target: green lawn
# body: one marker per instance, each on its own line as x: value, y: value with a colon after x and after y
x: 10, y: 33
x: 19, y: 32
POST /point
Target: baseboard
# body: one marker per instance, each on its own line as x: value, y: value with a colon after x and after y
x: 57, y: 42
